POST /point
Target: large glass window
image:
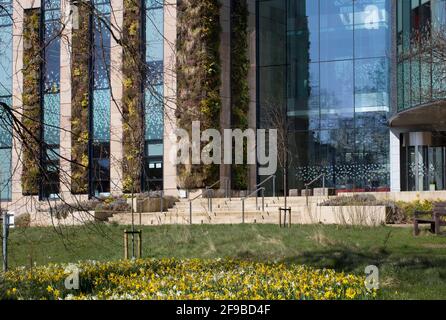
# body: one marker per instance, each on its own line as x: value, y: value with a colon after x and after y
x: 100, y: 103
x: 327, y: 63
x: 336, y: 29
x: 154, y: 96
x: 372, y: 26
x: 420, y: 75
x: 6, y: 98
x: 51, y: 99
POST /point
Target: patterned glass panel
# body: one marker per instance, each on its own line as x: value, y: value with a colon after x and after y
x: 101, y: 55
x: 101, y: 115
x: 154, y: 114
x: 51, y: 118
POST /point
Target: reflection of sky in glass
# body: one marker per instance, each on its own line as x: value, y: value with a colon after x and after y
x: 5, y: 97
x: 5, y: 50
x: 332, y: 71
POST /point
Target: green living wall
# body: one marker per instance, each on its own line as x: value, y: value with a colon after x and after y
x: 239, y: 82
x: 32, y: 112
x: 80, y: 101
x: 133, y: 70
x: 198, y: 79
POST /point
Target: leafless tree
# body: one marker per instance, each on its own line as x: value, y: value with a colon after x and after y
x: 13, y: 118
x: 427, y: 47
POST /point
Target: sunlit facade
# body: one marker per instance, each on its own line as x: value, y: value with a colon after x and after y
x: 362, y: 106
x: 328, y: 64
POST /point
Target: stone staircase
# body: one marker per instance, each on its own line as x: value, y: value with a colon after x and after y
x: 224, y: 211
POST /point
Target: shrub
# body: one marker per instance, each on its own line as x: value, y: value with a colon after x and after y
x: 22, y: 221
x: 400, y: 212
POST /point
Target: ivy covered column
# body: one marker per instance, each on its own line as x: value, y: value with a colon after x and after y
x: 198, y: 79
x: 32, y: 112
x: 240, y: 98
x: 132, y: 113
x: 80, y: 88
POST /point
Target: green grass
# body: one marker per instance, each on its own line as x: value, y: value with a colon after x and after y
x: 410, y: 267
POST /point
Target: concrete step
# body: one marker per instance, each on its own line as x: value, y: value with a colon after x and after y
x: 217, y: 218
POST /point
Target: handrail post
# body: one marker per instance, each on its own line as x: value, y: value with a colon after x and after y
x: 263, y: 199
x: 162, y: 202
x: 257, y: 199
x: 210, y: 201
x: 243, y: 210
x: 274, y: 186
x: 306, y: 193
x: 190, y: 212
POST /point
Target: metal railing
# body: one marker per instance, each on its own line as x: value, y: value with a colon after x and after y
x: 256, y: 192
x: 309, y: 184
x: 273, y: 177
x: 207, y: 192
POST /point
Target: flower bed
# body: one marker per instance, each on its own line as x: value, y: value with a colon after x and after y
x: 184, y: 279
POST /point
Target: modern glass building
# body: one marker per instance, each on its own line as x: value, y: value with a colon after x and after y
x: 420, y: 93
x: 360, y: 84
x: 327, y: 64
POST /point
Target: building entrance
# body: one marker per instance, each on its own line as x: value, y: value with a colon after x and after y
x: 423, y: 161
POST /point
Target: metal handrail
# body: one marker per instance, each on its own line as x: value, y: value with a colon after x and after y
x: 256, y: 192
x: 273, y: 176
x: 322, y: 175
x: 316, y: 179
x: 203, y: 193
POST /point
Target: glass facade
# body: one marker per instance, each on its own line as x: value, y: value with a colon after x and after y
x: 5, y: 97
x: 420, y: 73
x: 100, y: 102
x: 154, y: 96
x: 326, y: 64
x: 50, y: 152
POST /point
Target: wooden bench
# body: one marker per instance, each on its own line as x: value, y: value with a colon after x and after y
x: 436, y: 220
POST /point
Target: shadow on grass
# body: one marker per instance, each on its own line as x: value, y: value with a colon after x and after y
x: 351, y: 260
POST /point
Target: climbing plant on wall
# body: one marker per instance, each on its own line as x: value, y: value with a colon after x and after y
x: 80, y: 82
x: 198, y: 78
x: 239, y: 82
x: 31, y: 118
x: 132, y: 69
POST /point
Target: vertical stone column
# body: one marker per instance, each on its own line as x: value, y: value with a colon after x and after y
x: 20, y: 204
x: 116, y: 53
x: 17, y: 89
x: 170, y: 91
x: 65, y: 101
x: 395, y: 164
x: 395, y: 145
x: 252, y: 79
x: 225, y: 90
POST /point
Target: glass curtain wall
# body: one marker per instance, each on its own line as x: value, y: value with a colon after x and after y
x: 154, y: 96
x: 326, y: 63
x: 100, y: 104
x: 5, y: 97
x: 420, y: 74
x: 51, y: 99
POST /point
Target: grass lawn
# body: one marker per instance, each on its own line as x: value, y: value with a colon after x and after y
x: 410, y: 268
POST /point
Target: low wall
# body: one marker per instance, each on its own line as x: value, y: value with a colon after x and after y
x: 404, y: 195
x: 345, y: 215
x: 43, y: 219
